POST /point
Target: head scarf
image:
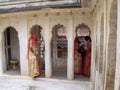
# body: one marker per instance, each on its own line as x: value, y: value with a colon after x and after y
x: 33, y: 38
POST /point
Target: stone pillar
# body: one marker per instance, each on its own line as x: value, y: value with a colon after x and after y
x: 70, y: 60
x: 2, y: 53
x: 117, y: 74
x: 47, y: 37
x: 104, y: 44
x: 23, y: 44
x: 111, y: 37
x: 1, y: 64
x: 48, y: 66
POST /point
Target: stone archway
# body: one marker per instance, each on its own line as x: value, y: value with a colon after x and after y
x: 80, y: 52
x: 59, y: 51
x: 37, y: 29
x: 12, y: 52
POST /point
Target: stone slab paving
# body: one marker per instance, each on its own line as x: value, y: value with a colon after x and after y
x: 30, y: 84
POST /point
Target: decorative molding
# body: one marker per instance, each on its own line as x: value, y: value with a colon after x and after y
x: 60, y: 29
x: 82, y: 30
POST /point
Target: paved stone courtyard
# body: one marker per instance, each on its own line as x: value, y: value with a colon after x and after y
x: 7, y: 83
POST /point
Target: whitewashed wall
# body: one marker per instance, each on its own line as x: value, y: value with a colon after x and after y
x: 22, y: 22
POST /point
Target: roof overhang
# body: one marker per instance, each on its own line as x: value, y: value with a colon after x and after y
x: 17, y: 6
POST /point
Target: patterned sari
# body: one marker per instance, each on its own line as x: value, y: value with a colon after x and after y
x: 33, y: 56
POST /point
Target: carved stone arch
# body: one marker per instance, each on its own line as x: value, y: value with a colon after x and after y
x: 13, y: 45
x: 36, y: 29
x: 14, y: 27
x: 82, y: 30
x: 59, y: 39
x: 61, y: 32
x: 80, y: 43
x: 11, y: 26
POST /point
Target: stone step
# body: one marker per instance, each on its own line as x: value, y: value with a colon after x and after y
x: 41, y: 84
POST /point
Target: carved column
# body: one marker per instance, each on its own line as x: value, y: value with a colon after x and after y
x: 1, y: 62
x: 23, y: 44
x: 47, y: 37
x: 70, y: 60
x: 2, y: 53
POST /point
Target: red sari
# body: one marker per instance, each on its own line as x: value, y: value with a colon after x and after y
x: 77, y: 58
x: 87, y: 61
x: 33, y: 56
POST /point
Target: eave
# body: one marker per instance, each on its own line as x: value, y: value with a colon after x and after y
x: 36, y: 5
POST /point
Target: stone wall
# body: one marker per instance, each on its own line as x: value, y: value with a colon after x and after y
x: 47, y: 19
x: 105, y: 61
x: 102, y: 22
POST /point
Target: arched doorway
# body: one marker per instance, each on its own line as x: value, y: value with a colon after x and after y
x: 12, y: 56
x: 37, y: 29
x: 59, y: 51
x: 82, y: 53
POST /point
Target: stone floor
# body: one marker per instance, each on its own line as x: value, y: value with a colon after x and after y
x: 56, y: 75
x: 26, y: 83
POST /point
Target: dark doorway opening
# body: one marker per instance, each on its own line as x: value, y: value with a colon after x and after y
x: 37, y: 29
x: 82, y: 53
x: 59, y: 51
x: 12, y: 55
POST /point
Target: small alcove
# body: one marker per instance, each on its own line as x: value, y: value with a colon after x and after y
x: 12, y: 53
x: 82, y: 53
x: 59, y: 51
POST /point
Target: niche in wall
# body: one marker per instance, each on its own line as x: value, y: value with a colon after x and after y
x: 11, y: 43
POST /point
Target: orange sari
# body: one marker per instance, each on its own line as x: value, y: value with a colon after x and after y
x: 33, y: 56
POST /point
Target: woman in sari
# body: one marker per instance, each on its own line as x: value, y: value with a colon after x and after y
x: 77, y: 58
x: 33, y: 56
x: 87, y: 58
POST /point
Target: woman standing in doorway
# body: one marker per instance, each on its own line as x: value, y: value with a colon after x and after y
x: 33, y: 56
x: 87, y: 58
x: 77, y: 57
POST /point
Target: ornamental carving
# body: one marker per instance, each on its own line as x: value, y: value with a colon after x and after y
x: 82, y: 30
x: 61, y: 30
